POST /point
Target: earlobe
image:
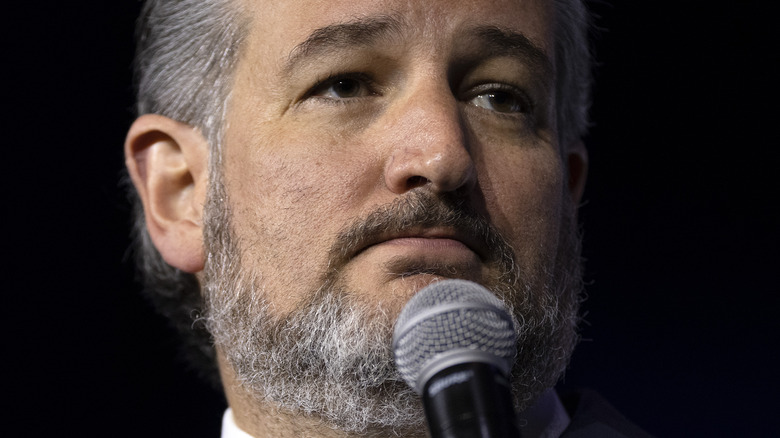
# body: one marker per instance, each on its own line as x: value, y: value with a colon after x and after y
x: 168, y: 164
x: 577, y: 162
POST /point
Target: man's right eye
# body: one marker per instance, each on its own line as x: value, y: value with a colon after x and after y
x: 343, y: 87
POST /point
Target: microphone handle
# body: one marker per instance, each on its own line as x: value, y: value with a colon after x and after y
x: 470, y: 400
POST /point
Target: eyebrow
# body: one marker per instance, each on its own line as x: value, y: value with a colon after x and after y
x: 334, y: 37
x: 492, y: 41
x: 496, y: 41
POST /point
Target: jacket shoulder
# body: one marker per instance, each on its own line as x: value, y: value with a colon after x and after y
x: 592, y: 416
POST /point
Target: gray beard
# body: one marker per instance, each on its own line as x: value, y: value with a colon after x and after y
x: 331, y: 358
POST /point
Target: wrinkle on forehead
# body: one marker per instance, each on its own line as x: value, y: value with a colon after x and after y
x: 429, y: 18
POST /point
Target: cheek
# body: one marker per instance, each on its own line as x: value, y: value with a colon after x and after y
x: 272, y: 193
x: 523, y: 195
x: 289, y: 199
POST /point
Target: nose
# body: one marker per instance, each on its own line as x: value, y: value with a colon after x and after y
x: 428, y: 142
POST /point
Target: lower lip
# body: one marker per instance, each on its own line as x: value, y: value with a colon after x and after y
x: 427, y: 243
x: 406, y: 256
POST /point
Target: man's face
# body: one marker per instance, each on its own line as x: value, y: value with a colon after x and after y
x: 370, y: 149
x: 384, y: 100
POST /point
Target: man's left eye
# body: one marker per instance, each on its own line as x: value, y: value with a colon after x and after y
x: 501, y: 101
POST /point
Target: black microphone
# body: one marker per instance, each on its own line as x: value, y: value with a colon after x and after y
x: 454, y: 343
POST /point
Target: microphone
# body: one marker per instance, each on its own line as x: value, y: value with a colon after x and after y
x: 454, y: 344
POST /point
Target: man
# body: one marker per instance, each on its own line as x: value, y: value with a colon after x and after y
x: 304, y: 167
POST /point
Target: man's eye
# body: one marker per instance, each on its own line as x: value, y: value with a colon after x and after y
x: 342, y: 88
x: 501, y: 101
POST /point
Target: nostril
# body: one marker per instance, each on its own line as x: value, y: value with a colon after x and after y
x: 416, y: 181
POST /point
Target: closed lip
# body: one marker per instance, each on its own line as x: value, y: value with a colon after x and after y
x: 470, y: 241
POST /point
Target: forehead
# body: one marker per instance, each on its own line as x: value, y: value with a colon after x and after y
x: 279, y: 26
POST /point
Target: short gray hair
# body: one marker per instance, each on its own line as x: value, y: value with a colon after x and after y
x: 573, y: 70
x: 187, y: 51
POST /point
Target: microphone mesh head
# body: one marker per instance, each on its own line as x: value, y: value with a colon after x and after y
x: 451, y: 322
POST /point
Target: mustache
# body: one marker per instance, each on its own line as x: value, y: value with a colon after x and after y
x: 419, y: 209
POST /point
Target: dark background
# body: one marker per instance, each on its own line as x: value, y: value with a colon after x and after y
x: 681, y: 228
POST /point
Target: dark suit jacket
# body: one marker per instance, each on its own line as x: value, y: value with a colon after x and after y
x: 592, y: 417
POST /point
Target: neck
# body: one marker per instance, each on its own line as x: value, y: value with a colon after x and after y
x: 262, y: 418
x: 546, y: 418
x: 266, y: 424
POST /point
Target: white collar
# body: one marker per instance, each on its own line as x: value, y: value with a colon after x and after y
x: 229, y: 427
x: 545, y: 419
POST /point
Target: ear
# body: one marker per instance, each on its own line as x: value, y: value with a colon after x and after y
x: 168, y: 164
x: 577, y: 162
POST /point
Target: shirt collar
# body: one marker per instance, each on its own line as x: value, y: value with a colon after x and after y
x: 229, y: 427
